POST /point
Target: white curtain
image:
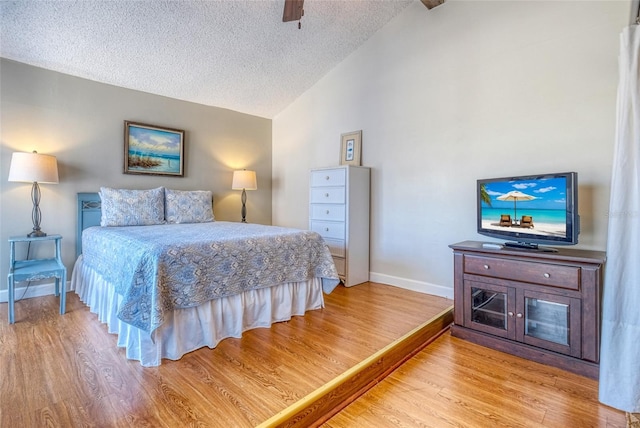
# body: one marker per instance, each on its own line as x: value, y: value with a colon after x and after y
x: 620, y: 349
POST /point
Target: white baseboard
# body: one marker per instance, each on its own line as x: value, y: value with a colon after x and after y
x: 413, y: 285
x: 31, y: 291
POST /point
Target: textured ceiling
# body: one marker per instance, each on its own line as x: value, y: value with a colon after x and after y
x: 235, y: 54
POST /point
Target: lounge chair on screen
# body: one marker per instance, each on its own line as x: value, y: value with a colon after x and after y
x: 505, y: 220
x: 526, y: 221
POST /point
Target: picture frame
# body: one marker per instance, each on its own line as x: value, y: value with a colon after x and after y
x: 351, y: 148
x: 153, y: 150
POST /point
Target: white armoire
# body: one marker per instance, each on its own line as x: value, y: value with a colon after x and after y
x: 339, y: 212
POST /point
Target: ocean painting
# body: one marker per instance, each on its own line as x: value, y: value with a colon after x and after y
x: 535, y: 207
x: 153, y: 150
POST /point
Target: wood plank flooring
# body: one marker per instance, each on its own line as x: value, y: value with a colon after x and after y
x: 455, y: 383
x: 66, y: 370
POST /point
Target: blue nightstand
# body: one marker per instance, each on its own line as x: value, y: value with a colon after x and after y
x: 34, y: 270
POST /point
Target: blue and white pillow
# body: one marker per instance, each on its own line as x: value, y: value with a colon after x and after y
x: 124, y: 207
x: 188, y: 206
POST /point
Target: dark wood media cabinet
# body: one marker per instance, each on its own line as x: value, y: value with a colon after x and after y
x: 543, y: 306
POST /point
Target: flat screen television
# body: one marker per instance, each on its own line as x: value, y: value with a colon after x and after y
x: 530, y: 210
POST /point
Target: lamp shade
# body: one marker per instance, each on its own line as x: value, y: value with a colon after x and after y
x: 244, y: 180
x: 33, y: 167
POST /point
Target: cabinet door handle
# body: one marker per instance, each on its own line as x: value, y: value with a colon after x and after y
x: 510, y: 313
x: 327, y: 211
x: 547, y: 275
x: 326, y: 229
x: 486, y: 267
x: 519, y: 315
x: 326, y: 195
x: 327, y: 177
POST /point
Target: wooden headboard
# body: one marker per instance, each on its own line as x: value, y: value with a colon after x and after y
x: 89, y: 213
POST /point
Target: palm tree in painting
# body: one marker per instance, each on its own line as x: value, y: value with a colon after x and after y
x: 484, y: 196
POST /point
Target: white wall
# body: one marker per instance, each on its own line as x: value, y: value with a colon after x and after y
x: 82, y: 123
x: 468, y: 90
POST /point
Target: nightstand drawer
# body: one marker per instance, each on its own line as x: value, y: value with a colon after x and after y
x: 328, y: 177
x: 328, y: 229
x: 536, y: 273
x: 334, y: 212
x: 328, y: 195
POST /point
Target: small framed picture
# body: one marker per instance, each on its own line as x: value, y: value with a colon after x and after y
x: 351, y: 148
x: 153, y: 150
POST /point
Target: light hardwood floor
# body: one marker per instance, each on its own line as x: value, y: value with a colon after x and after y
x: 66, y: 371
x: 454, y: 383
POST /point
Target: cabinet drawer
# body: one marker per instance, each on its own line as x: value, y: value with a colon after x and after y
x: 335, y: 212
x: 336, y: 246
x: 328, y: 195
x: 328, y: 229
x: 340, y: 265
x: 533, y: 272
x: 328, y: 177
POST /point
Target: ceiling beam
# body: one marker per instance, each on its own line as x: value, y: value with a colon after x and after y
x: 430, y: 4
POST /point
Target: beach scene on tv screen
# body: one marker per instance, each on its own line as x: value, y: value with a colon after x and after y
x: 536, y: 207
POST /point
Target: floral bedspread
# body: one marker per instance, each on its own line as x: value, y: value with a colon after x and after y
x: 160, y: 268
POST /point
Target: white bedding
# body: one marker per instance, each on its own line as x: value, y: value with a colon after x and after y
x: 186, y: 330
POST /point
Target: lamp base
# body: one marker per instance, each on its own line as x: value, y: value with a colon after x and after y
x: 244, y: 206
x: 35, y: 212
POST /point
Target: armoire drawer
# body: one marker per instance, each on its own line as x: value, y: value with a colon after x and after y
x: 328, y: 229
x: 328, y: 177
x: 336, y: 246
x: 333, y: 212
x: 328, y: 195
x: 341, y: 266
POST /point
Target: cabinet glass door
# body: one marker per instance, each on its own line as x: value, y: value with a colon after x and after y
x: 547, y: 320
x: 489, y: 308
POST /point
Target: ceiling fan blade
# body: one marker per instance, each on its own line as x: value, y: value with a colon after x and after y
x: 292, y: 10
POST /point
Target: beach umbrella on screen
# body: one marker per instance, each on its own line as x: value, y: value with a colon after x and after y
x: 515, y: 196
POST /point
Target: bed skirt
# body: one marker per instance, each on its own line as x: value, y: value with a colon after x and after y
x: 186, y: 330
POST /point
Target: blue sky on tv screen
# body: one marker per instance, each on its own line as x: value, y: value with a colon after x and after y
x: 549, y: 194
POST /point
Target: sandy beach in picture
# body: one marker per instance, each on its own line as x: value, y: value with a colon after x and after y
x: 546, y: 229
x: 151, y: 162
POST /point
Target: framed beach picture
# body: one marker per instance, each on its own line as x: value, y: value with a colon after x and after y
x: 351, y: 148
x: 153, y: 150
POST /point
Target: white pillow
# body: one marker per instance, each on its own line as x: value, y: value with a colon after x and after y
x: 123, y: 207
x: 188, y: 206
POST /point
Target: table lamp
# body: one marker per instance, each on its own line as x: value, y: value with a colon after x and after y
x: 34, y: 168
x: 245, y: 180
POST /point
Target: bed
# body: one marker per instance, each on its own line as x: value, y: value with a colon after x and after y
x: 169, y: 279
